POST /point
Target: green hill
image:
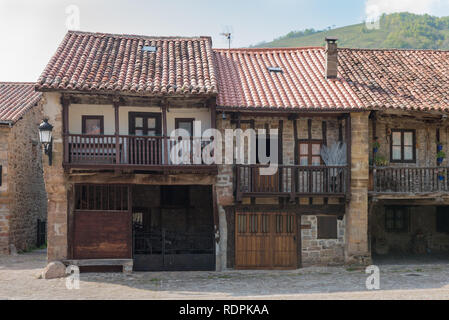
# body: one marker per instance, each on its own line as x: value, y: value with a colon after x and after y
x: 397, y: 30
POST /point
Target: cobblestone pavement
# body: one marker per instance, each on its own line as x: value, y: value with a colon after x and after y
x: 19, y: 280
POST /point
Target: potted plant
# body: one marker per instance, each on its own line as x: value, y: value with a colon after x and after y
x: 441, y: 176
x: 380, y: 161
x: 439, y: 146
x: 376, y: 146
x: 440, y: 156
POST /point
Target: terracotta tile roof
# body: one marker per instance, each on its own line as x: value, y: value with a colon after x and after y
x: 245, y: 81
x: 367, y: 79
x: 110, y: 63
x: 402, y: 79
x: 16, y: 99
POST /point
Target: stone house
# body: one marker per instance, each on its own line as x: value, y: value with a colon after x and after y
x: 127, y: 200
x: 22, y: 192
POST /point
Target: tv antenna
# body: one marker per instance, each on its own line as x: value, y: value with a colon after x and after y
x: 227, y: 33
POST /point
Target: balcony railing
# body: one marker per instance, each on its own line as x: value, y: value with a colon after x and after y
x: 133, y: 151
x: 410, y: 180
x: 293, y: 181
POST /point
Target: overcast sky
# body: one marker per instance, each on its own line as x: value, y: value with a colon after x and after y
x: 31, y: 30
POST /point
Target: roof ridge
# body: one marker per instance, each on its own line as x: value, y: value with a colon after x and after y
x: 124, y: 35
x: 17, y: 83
x: 393, y: 49
x: 270, y: 49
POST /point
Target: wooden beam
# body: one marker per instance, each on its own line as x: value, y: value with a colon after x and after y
x: 296, y: 156
x: 65, y: 102
x: 216, y: 216
x: 117, y: 130
x: 164, y: 131
x: 348, y: 154
x: 330, y: 209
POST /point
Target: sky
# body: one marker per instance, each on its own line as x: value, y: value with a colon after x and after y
x: 31, y: 30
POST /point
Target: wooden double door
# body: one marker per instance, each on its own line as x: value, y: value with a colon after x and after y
x: 266, y: 240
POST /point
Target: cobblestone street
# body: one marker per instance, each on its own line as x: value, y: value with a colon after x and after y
x: 19, y: 280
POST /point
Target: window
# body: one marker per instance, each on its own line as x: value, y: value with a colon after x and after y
x: 93, y: 125
x: 101, y: 197
x: 403, y: 146
x: 396, y: 219
x: 443, y: 219
x: 186, y: 124
x: 309, y: 153
x: 144, y: 124
x: 327, y: 227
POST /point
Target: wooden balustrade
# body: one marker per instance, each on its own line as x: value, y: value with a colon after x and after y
x: 292, y: 180
x: 133, y: 150
x: 411, y: 180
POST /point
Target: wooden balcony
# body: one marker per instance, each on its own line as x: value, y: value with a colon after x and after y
x: 293, y: 181
x: 132, y: 152
x: 410, y: 180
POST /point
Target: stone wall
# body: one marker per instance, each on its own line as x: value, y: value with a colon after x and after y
x: 425, y: 138
x: 321, y: 251
x: 4, y: 190
x: 27, y: 189
x: 22, y: 194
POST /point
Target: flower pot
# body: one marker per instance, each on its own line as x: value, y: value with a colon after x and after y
x: 440, y: 160
x: 375, y: 150
x: 439, y: 147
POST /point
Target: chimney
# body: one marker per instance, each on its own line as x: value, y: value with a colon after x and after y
x: 331, y: 58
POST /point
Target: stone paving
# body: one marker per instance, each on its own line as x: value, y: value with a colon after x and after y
x: 19, y: 280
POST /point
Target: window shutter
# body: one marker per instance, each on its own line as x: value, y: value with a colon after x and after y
x: 327, y: 228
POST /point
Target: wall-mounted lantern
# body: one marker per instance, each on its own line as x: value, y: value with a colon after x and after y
x: 45, y: 137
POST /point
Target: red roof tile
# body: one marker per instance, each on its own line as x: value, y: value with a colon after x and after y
x: 400, y: 79
x: 109, y: 63
x: 245, y: 81
x: 367, y: 79
x: 16, y: 99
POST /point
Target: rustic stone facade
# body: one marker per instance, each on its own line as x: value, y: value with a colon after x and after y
x: 22, y: 194
x: 426, y: 140
x: 317, y: 251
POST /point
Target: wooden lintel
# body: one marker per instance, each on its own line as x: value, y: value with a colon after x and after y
x: 330, y: 209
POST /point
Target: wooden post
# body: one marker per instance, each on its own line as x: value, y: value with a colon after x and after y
x: 65, y: 101
x: 164, y: 131
x: 294, y: 173
x: 117, y: 130
x: 213, y: 114
x: 348, y: 155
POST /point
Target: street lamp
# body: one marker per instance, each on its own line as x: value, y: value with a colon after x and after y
x: 45, y: 137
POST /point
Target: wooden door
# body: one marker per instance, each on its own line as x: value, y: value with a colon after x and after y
x: 266, y: 240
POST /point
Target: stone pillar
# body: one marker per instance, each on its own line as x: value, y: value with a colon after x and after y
x: 55, y: 184
x: 357, y: 249
x: 225, y: 197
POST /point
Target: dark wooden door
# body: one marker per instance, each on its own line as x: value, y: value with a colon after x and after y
x: 102, y: 235
x: 266, y: 240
